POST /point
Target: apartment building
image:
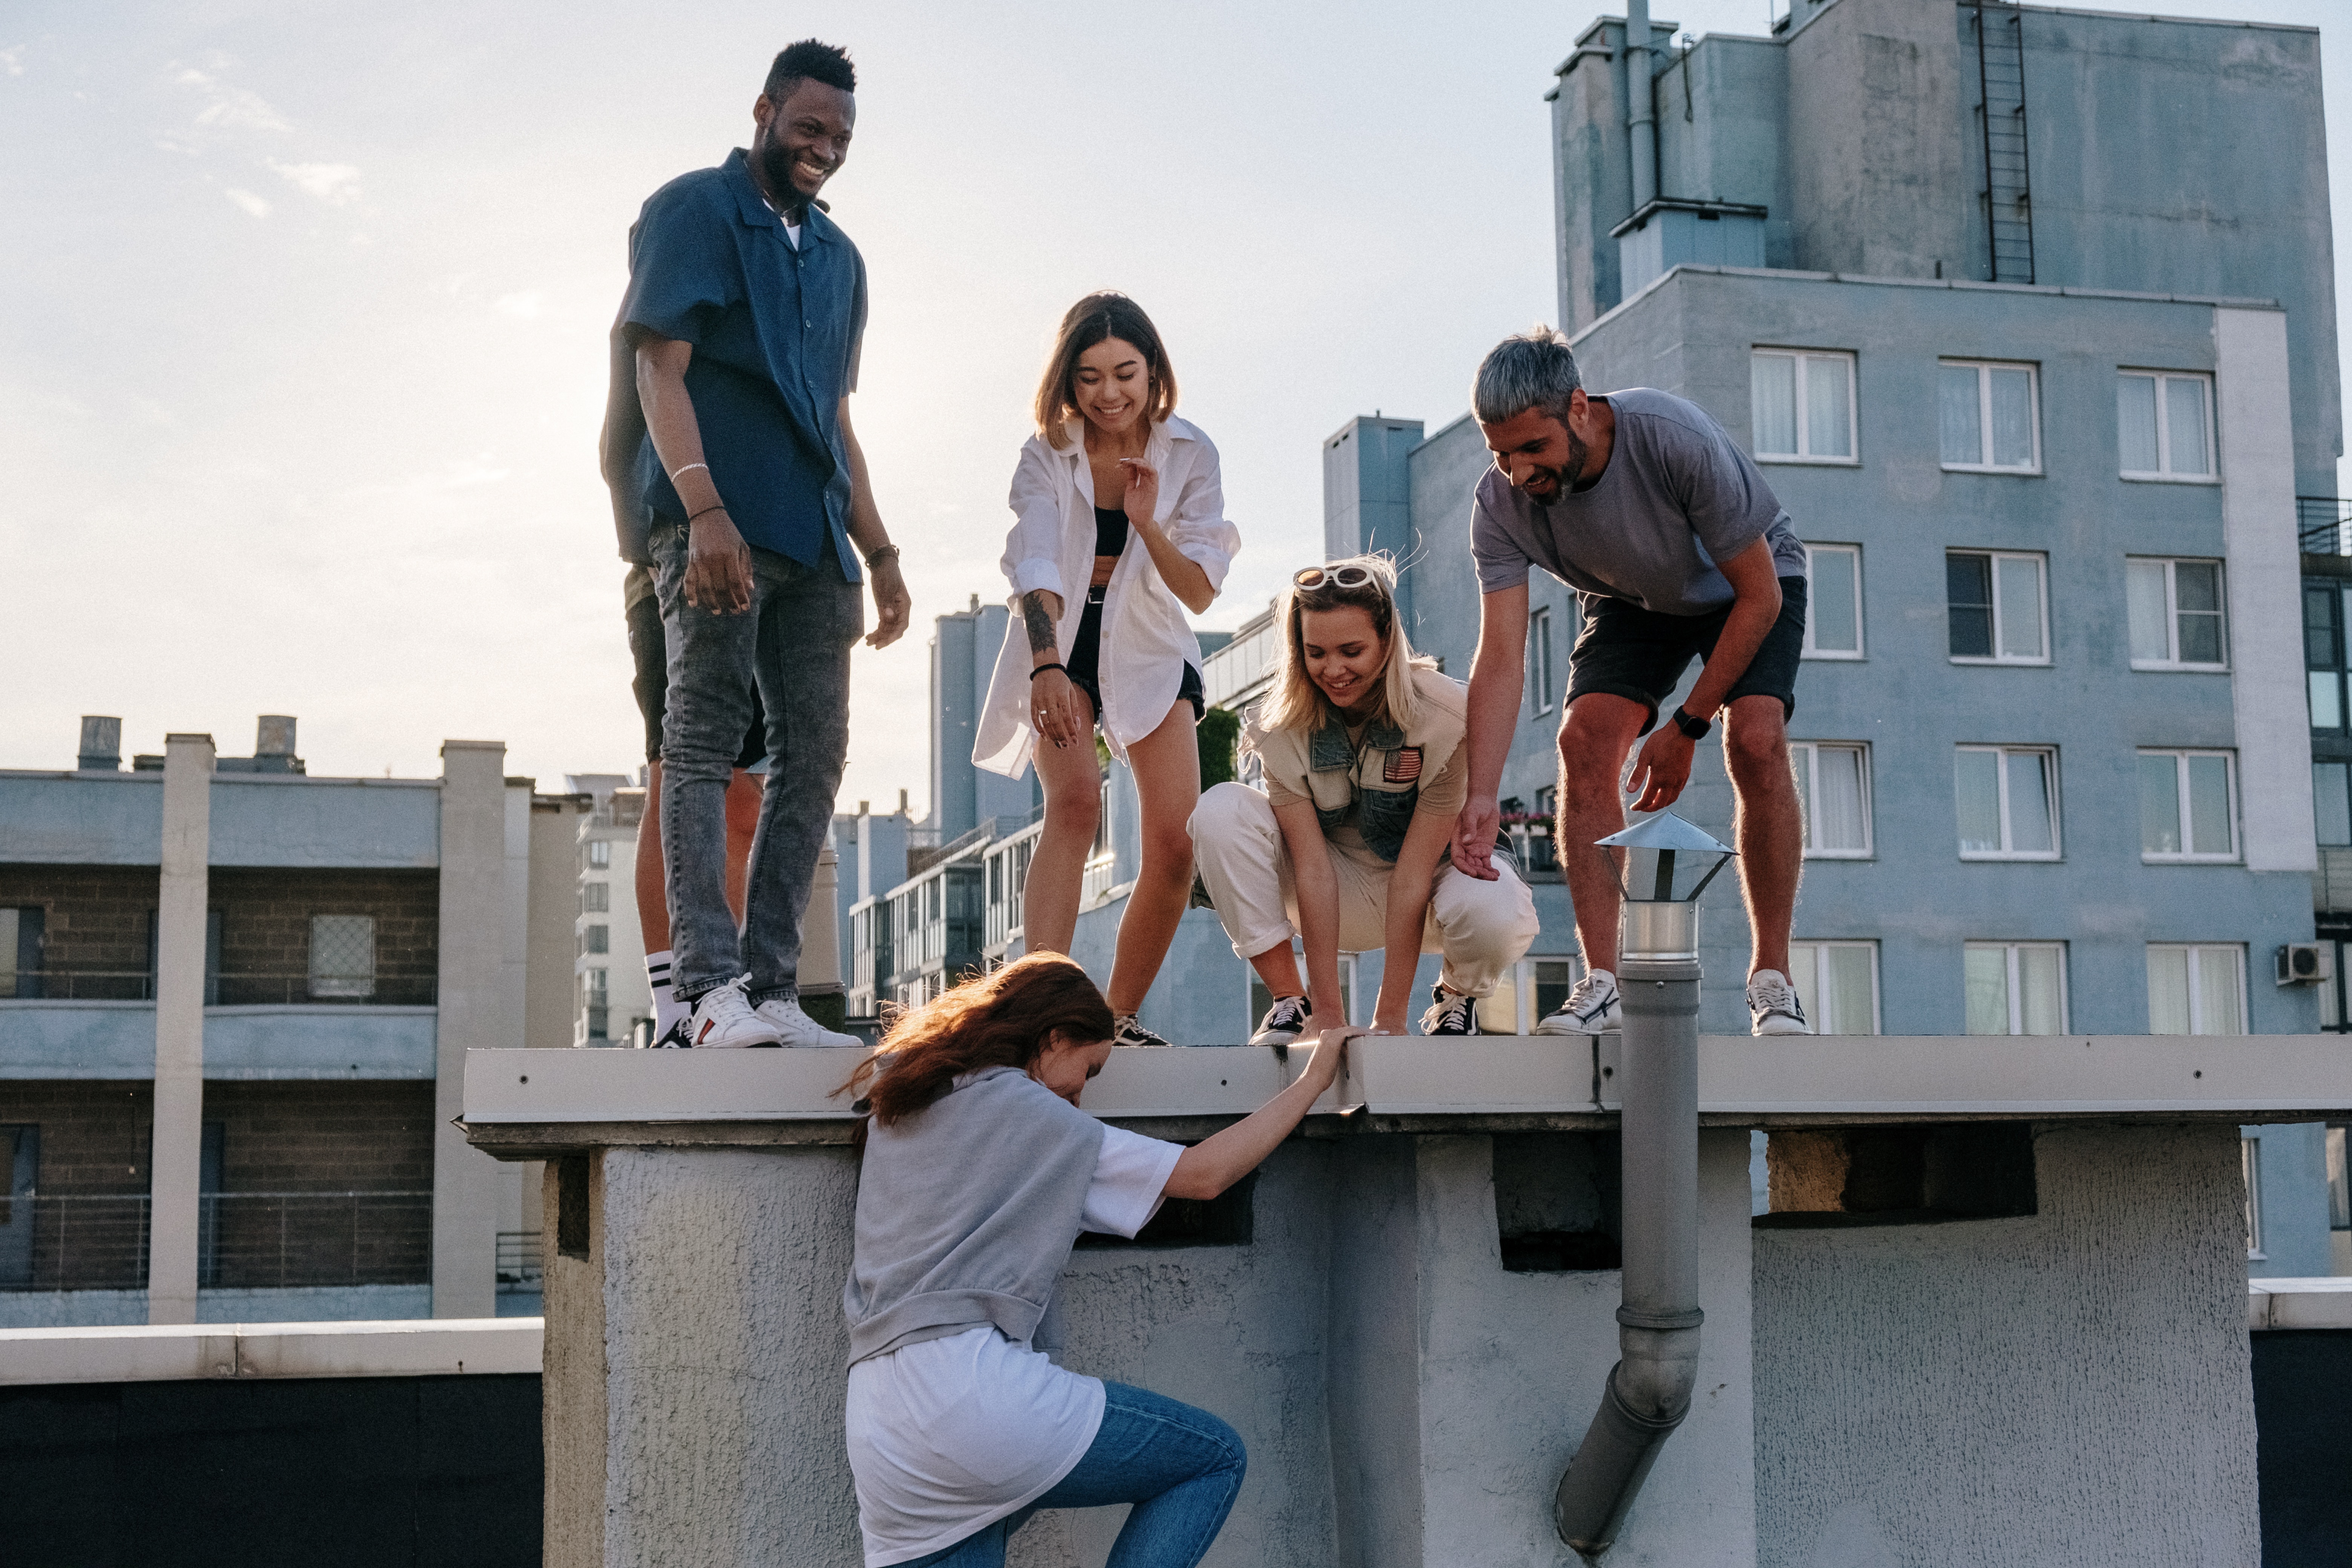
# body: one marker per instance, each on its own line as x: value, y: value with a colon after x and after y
x: 233, y: 1015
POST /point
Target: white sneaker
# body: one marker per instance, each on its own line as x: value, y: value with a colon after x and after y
x: 723, y: 1018
x: 1592, y: 1009
x: 794, y: 1027
x: 1772, y: 1004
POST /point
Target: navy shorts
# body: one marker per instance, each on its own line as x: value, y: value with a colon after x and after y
x: 650, y: 650
x: 1640, y: 654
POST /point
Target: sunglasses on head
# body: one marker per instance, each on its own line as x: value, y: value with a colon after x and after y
x: 1339, y: 576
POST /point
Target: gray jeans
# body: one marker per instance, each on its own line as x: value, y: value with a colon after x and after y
x: 793, y: 644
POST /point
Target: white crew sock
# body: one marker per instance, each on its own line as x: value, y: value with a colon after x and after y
x: 667, y: 1008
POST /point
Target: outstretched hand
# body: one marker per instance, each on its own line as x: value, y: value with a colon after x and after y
x: 1473, y: 847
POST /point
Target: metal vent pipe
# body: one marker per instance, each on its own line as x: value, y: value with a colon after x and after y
x: 1649, y: 1390
x: 1640, y: 95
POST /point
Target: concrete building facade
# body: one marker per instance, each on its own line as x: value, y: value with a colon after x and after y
x: 238, y: 1002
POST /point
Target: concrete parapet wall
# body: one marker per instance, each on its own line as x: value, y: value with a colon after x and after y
x: 2070, y: 1386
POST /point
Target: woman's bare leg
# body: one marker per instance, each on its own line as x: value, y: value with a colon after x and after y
x: 1167, y: 768
x: 1073, y: 780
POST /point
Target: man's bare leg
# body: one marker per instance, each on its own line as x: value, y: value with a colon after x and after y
x: 1766, y: 828
x: 1594, y: 736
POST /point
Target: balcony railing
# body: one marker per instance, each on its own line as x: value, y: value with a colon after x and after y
x: 518, y: 1269
x: 2320, y: 525
x: 1101, y: 875
x: 244, y: 1240
x: 239, y: 990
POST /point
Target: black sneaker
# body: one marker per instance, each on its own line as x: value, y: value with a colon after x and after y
x: 1131, y: 1032
x: 1284, y: 1022
x: 674, y: 1038
x: 1450, y: 1013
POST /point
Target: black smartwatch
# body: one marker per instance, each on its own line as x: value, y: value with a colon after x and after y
x: 1693, y: 729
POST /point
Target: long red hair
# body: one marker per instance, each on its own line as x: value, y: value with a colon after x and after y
x: 1002, y: 1019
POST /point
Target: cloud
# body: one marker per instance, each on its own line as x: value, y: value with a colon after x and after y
x: 527, y: 304
x: 232, y: 108
x: 12, y: 59
x: 248, y: 200
x: 335, y: 184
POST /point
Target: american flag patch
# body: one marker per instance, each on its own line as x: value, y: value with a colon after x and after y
x: 1404, y: 765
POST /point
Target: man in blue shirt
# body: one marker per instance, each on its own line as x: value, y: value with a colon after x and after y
x: 738, y: 478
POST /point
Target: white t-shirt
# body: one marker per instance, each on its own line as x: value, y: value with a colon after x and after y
x: 950, y: 1435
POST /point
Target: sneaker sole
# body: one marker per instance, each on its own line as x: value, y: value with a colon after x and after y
x: 1270, y: 1039
x: 1612, y: 1027
x: 1770, y: 1027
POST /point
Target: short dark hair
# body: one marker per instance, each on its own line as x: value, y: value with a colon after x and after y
x: 809, y: 59
x: 1093, y: 320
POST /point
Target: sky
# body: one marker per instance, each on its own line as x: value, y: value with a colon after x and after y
x: 303, y: 361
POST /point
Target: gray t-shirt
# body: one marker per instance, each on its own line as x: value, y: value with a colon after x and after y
x: 1678, y: 495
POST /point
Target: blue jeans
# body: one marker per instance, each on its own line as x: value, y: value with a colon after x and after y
x: 792, y: 648
x: 1180, y: 1467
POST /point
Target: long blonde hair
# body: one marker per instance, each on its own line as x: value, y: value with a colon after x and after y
x: 1297, y: 702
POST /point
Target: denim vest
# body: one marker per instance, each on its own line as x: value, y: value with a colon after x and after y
x: 1383, y: 810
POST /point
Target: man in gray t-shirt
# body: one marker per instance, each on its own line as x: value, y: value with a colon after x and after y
x: 1642, y: 503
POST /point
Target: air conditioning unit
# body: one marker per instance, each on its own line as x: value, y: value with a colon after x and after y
x: 2306, y: 962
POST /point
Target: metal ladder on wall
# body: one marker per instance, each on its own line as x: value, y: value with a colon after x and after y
x: 2008, y: 194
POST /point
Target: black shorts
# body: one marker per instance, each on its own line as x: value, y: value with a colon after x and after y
x: 1086, y: 662
x: 1640, y: 654
x: 651, y: 651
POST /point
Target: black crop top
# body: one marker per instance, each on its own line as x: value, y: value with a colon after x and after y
x: 1111, y: 531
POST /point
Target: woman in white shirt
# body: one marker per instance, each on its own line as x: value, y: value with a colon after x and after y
x: 979, y: 1170
x: 1118, y: 529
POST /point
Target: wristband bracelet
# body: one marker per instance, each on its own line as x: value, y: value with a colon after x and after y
x: 706, y: 511
x: 880, y: 554
x: 1044, y: 668
x: 688, y: 469
x: 1692, y: 728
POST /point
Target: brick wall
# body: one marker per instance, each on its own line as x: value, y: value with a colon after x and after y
x: 96, y: 923
x: 94, y: 1135
x: 266, y: 929
x: 323, y: 1137
x: 328, y: 1139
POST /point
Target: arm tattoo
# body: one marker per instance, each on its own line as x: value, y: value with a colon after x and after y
x: 1041, y: 625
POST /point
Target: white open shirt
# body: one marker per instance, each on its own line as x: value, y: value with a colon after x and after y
x: 1146, y: 640
x: 950, y: 1435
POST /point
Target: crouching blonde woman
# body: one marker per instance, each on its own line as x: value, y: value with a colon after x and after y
x: 1118, y: 529
x: 980, y: 1171
x: 1361, y: 747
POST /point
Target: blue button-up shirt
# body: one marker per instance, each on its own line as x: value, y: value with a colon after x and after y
x: 776, y: 331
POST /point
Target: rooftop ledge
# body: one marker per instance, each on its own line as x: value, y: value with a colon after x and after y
x: 142, y: 1352
x: 524, y: 1104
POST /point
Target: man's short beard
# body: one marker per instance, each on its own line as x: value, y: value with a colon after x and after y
x: 776, y: 163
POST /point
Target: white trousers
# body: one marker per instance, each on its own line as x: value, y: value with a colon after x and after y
x: 1482, y: 928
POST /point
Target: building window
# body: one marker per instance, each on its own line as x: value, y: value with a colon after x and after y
x: 342, y: 955
x: 2175, y: 613
x: 2163, y: 425
x: 1531, y: 989
x: 2196, y: 988
x: 1803, y: 405
x: 2331, y: 800
x: 597, y: 939
x: 1987, y: 416
x: 600, y: 854
x: 2250, y: 1169
x: 2187, y: 806
x: 2016, y: 987
x: 1540, y: 687
x: 2008, y: 802
x: 595, y: 1003
x: 595, y: 898
x: 1833, y: 601
x: 1999, y: 611
x: 2339, y: 1189
x: 1833, y: 792
x: 2324, y: 614
x: 1837, y: 981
